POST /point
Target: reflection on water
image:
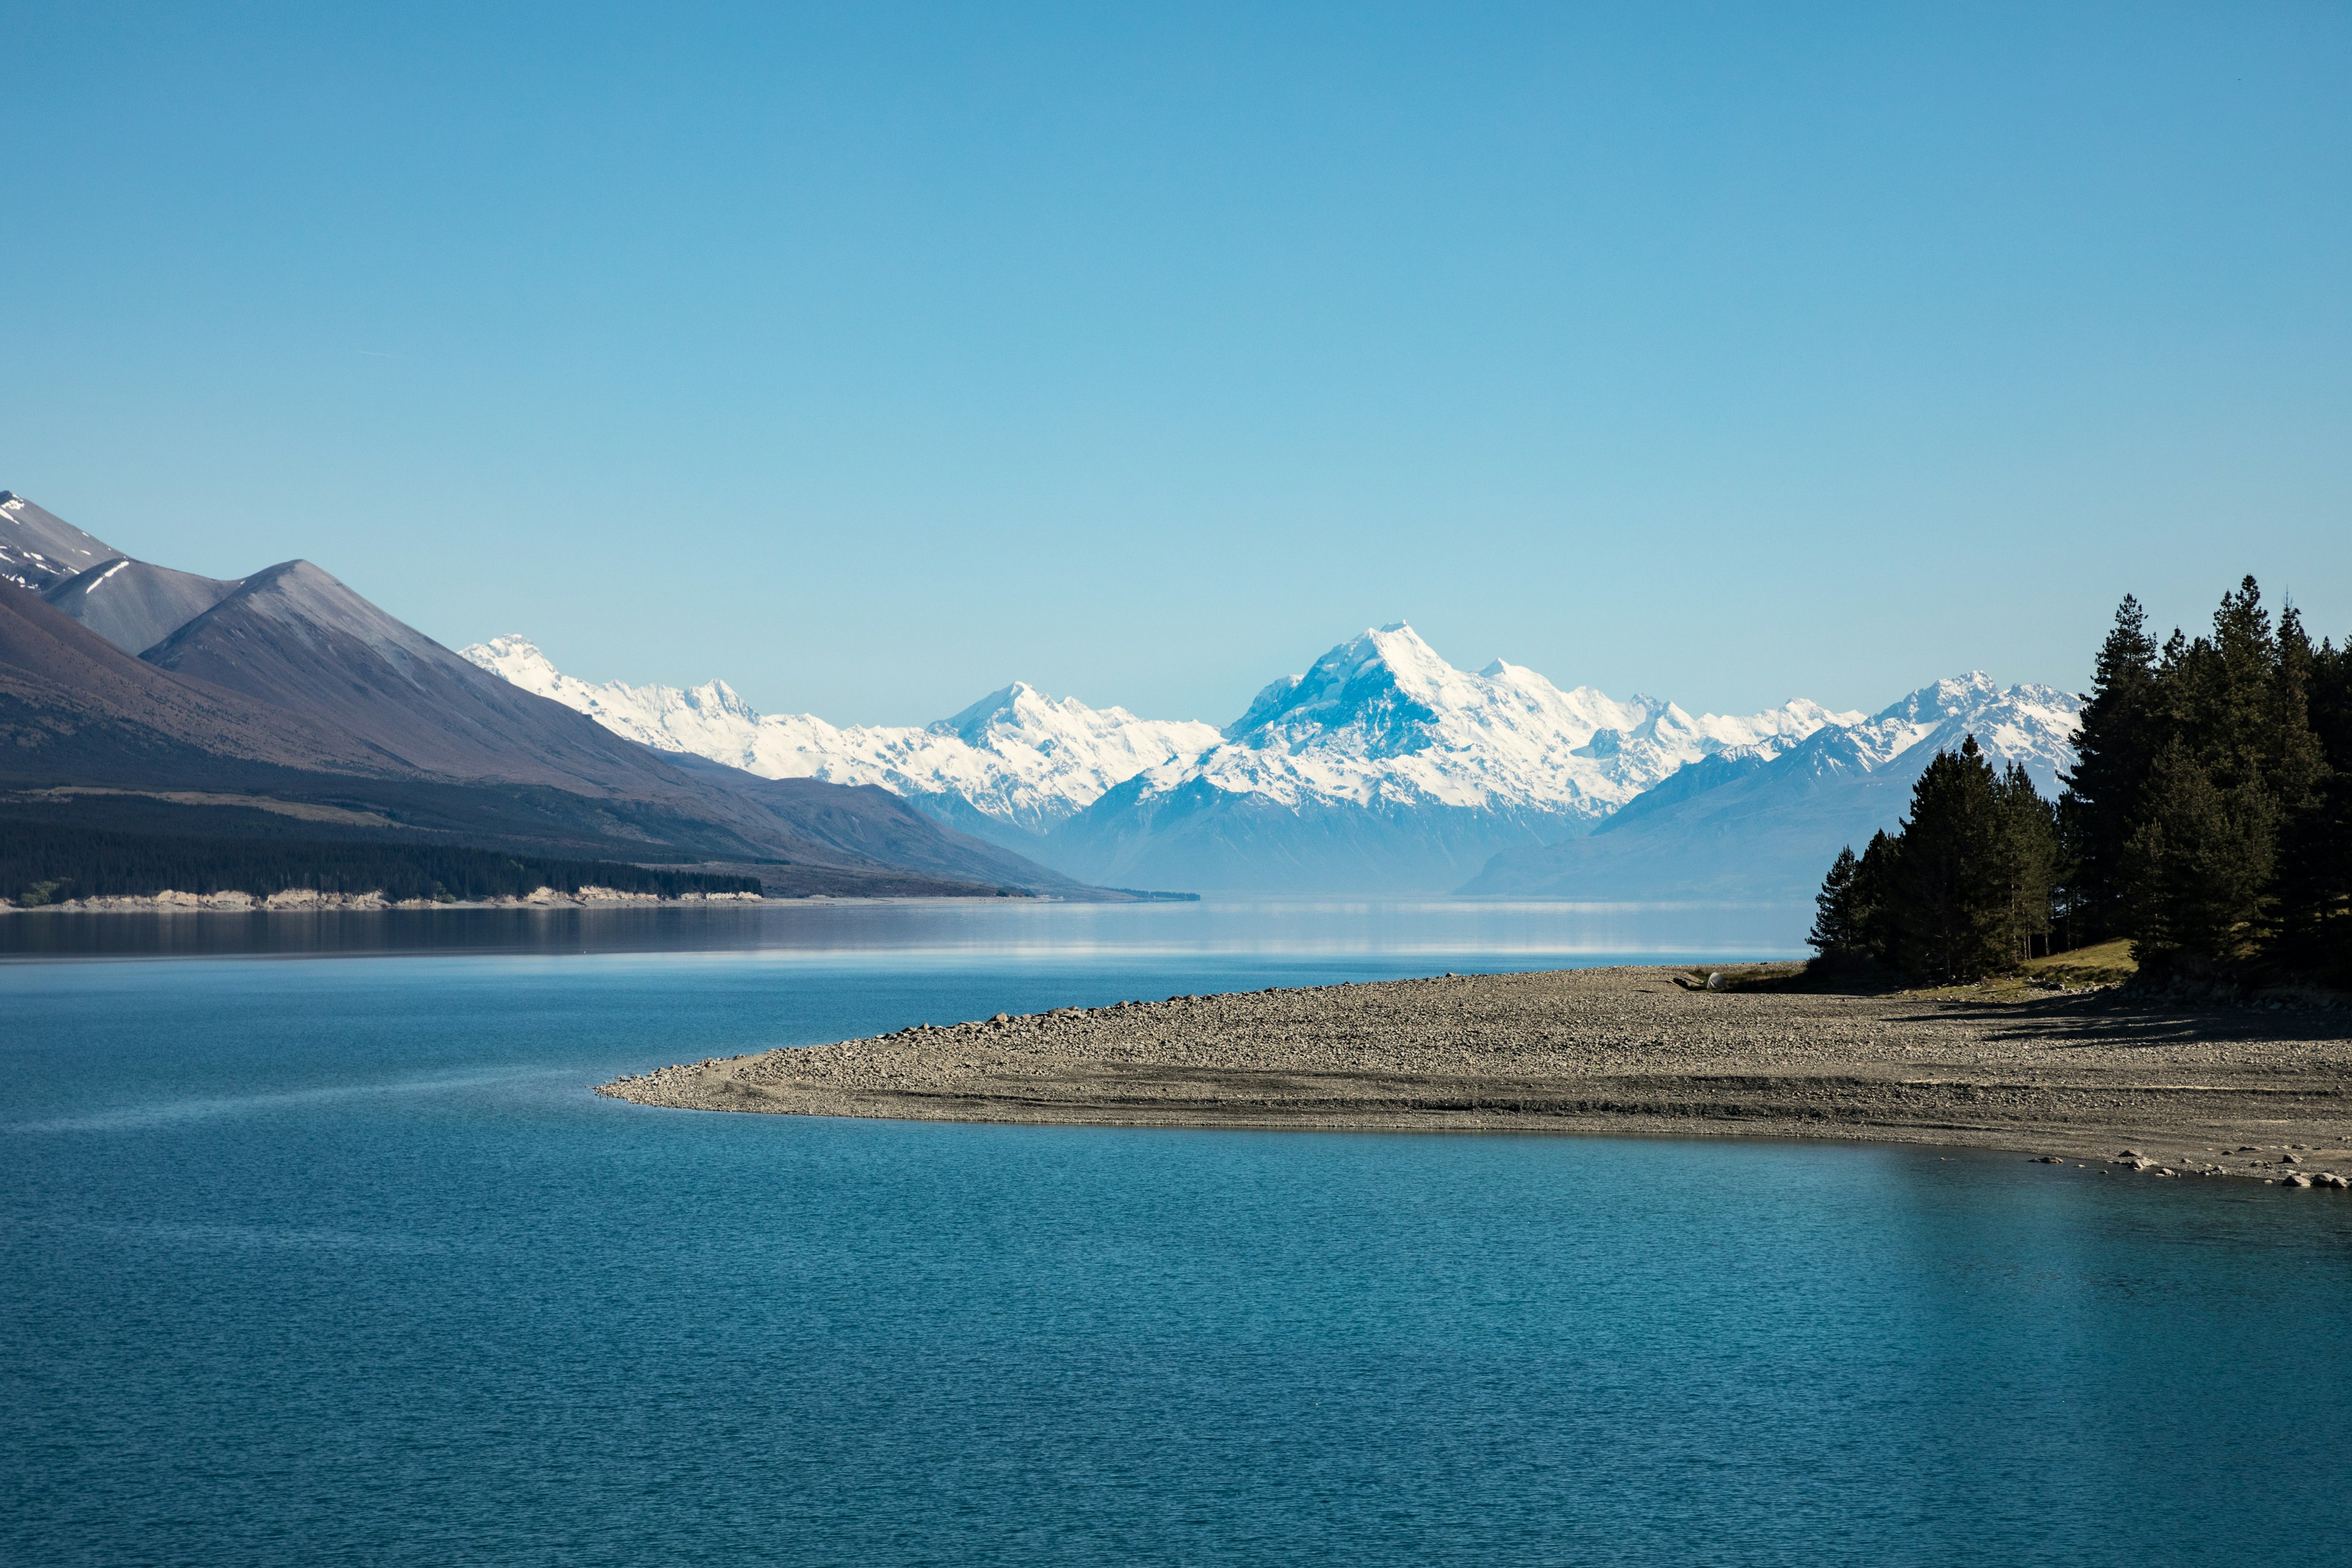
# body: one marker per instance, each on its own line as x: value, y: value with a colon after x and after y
x: 1435, y: 927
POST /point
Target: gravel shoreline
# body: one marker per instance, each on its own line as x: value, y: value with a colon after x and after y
x: 2145, y: 1084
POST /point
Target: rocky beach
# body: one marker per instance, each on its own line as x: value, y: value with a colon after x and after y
x: 2099, y: 1075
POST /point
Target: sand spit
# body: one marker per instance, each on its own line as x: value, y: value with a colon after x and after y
x: 2094, y: 1076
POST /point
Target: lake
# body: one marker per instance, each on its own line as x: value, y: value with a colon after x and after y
x: 326, y: 1252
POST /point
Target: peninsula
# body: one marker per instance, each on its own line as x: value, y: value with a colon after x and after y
x: 2083, y: 1073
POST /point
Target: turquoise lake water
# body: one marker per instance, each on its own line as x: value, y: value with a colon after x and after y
x: 333, y: 1258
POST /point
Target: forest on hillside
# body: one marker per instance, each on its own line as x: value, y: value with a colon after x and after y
x: 2207, y: 819
x: 47, y: 863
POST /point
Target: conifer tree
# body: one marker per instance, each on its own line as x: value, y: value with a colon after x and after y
x: 2113, y: 750
x: 2201, y: 861
x: 2208, y: 816
x: 2237, y: 767
x: 1873, y: 894
x: 1836, y: 935
x: 2314, y: 914
x: 2026, y: 852
x: 1951, y: 903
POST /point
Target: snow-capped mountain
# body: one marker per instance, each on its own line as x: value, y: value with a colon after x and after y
x: 1743, y: 826
x: 1381, y: 768
x: 1384, y: 768
x: 1382, y: 717
x: 2030, y: 725
x: 1010, y: 767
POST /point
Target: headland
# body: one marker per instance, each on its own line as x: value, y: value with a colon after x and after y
x: 2093, y: 1074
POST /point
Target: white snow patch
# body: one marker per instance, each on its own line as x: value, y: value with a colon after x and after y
x: 1017, y: 755
x: 1380, y: 720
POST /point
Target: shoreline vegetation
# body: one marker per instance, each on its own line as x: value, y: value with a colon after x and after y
x: 2207, y: 821
x: 2064, y: 1065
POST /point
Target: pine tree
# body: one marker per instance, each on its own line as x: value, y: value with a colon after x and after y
x: 2315, y: 910
x: 2239, y: 772
x: 1837, y: 935
x: 2208, y: 816
x: 2113, y: 750
x: 1873, y: 894
x: 1951, y: 903
x: 2201, y: 863
x: 2027, y: 856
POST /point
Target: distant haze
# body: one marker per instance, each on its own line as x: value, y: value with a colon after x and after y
x: 877, y: 359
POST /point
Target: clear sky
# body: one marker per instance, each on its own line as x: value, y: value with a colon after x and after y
x: 871, y: 358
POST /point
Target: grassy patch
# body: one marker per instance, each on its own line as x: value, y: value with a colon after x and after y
x: 2108, y: 963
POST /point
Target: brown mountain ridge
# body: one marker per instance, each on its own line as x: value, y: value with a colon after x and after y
x: 288, y: 687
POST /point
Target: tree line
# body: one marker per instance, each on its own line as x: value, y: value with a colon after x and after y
x: 2207, y: 819
x: 44, y: 863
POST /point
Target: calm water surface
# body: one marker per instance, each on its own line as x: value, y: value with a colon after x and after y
x: 337, y: 1259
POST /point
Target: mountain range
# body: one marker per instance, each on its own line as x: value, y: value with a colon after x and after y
x: 1010, y: 767
x: 1381, y: 769
x: 132, y: 696
x: 1747, y: 826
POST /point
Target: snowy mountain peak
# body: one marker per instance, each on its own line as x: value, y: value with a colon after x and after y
x: 1397, y: 647
x: 998, y: 706
x: 2031, y: 725
x: 519, y: 660
x: 1381, y: 764
x: 1014, y: 763
x: 1383, y: 717
x: 1953, y: 694
x: 1381, y: 685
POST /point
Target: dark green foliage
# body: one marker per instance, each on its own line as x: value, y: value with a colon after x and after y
x: 1850, y: 913
x: 1964, y: 890
x: 1948, y: 900
x: 2313, y: 914
x: 2208, y: 817
x: 1873, y: 888
x: 1839, y: 931
x: 48, y: 863
x: 2237, y: 774
x: 2199, y: 862
x: 2027, y: 857
x: 1850, y: 923
x: 2112, y: 755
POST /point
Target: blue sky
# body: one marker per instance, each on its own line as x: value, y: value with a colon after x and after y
x: 872, y: 357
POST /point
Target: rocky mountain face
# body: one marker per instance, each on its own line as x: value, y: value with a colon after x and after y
x: 287, y: 691
x: 1745, y: 827
x: 134, y: 605
x: 39, y: 549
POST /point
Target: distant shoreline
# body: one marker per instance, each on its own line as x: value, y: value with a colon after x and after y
x: 2143, y: 1084
x: 303, y: 901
